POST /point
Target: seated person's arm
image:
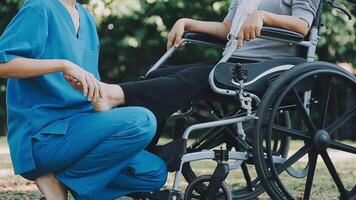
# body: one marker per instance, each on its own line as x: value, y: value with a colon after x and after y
x: 252, y: 27
x: 292, y: 23
x: 249, y: 31
x: 217, y: 29
x: 303, y: 12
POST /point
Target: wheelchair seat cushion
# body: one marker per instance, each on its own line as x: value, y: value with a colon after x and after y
x: 259, y: 75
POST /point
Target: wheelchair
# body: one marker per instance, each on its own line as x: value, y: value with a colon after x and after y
x: 272, y: 106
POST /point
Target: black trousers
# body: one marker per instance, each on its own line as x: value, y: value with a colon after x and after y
x: 168, y: 89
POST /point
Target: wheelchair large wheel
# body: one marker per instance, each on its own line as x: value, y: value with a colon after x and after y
x: 244, y: 181
x: 192, y: 192
x: 316, y: 95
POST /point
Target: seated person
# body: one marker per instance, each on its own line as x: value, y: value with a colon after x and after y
x: 168, y: 89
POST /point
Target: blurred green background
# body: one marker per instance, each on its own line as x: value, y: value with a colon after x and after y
x: 133, y: 36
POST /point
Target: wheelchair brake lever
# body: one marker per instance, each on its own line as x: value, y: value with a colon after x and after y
x: 332, y: 3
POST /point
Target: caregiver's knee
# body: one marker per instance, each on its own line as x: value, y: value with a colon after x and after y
x: 146, y: 120
x: 142, y: 124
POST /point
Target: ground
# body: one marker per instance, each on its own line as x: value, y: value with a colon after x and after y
x: 15, y: 187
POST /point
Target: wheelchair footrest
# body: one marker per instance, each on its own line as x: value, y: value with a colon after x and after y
x: 172, y: 153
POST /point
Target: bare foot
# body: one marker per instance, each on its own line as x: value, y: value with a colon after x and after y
x: 113, y: 96
x: 51, y: 188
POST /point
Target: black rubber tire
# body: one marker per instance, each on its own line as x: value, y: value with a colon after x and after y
x: 265, y: 170
x: 203, y: 179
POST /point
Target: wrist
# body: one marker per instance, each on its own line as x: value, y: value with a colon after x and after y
x: 63, y: 65
x: 187, y: 23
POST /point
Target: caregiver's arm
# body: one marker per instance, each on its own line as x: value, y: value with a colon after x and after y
x: 27, y: 68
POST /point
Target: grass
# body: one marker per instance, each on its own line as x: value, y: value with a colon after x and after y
x: 15, y: 187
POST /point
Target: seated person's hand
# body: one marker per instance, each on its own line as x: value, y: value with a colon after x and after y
x: 176, y: 33
x: 251, y: 29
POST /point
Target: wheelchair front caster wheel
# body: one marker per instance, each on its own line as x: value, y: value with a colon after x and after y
x: 192, y: 192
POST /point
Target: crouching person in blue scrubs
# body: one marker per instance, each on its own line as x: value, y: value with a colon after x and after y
x: 55, y: 136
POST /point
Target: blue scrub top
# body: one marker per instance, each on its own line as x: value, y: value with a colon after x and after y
x: 43, y: 29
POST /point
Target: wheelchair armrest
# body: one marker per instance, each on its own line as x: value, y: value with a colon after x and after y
x: 269, y: 32
x: 206, y: 39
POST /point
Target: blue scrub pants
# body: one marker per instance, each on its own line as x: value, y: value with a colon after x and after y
x: 102, y: 155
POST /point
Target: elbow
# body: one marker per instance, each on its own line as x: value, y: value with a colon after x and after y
x: 304, y: 27
x: 304, y: 31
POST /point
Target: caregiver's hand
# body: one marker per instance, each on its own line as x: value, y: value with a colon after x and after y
x: 252, y: 27
x: 86, y: 81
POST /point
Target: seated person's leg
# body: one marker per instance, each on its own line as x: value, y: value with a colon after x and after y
x: 165, y: 94
x: 173, y: 69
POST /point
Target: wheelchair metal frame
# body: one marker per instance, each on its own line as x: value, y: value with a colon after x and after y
x: 239, y: 157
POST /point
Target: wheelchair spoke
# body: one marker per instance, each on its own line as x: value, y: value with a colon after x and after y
x: 293, y: 159
x: 342, y: 147
x: 292, y: 132
x: 246, y: 173
x: 329, y: 164
x: 307, y: 120
x: 275, y: 142
x: 341, y: 121
x: 324, y: 101
x: 310, y: 177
